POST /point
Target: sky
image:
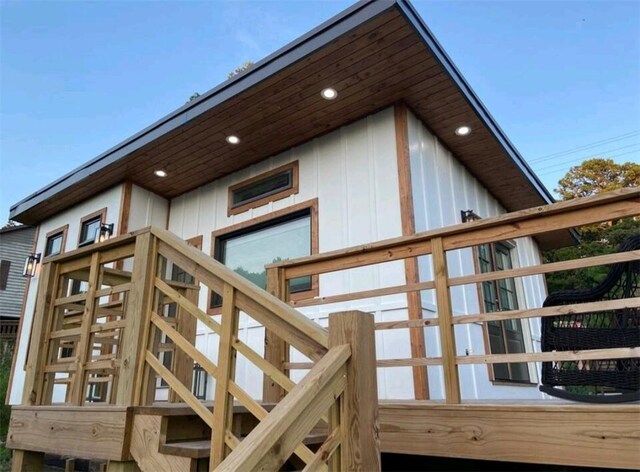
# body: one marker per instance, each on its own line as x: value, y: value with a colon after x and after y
x: 562, y: 79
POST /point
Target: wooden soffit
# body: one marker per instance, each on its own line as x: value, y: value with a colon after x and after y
x: 375, y: 53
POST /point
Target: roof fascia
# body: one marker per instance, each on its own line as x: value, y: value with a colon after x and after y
x: 425, y: 33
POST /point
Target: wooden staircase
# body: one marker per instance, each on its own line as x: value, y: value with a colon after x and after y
x: 171, y: 436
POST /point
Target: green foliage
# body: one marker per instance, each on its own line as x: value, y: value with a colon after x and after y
x: 598, y: 175
x: 592, y: 177
x: 6, y: 352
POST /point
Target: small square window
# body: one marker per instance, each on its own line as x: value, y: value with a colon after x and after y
x: 90, y: 227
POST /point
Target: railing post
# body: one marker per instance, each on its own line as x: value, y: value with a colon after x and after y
x: 276, y: 350
x: 138, y: 318
x: 445, y: 320
x: 359, y: 446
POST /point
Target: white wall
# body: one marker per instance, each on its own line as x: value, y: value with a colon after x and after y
x: 111, y: 200
x: 442, y: 187
x: 147, y: 209
x: 353, y: 174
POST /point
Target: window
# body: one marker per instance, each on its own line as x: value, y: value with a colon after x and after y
x: 249, y: 249
x: 4, y: 274
x: 268, y: 187
x: 90, y: 226
x: 505, y: 336
x: 56, y: 240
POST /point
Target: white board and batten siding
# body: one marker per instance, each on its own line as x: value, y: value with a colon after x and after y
x: 442, y: 187
x: 109, y: 199
x: 147, y: 209
x: 353, y: 174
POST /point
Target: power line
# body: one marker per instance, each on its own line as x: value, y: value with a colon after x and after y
x: 554, y: 169
x: 620, y: 137
x: 605, y: 155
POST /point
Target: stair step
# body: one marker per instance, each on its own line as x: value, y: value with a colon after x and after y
x: 195, y: 449
x: 201, y: 448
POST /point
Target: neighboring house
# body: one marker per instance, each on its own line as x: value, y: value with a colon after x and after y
x: 361, y: 130
x: 16, y: 244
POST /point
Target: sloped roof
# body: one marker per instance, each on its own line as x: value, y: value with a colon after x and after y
x: 375, y: 53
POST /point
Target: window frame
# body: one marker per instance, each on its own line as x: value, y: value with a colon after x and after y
x: 5, y: 269
x: 511, y: 247
x: 101, y: 214
x: 292, y: 167
x: 62, y: 230
x: 262, y: 222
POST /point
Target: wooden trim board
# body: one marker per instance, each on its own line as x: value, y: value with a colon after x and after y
x: 87, y: 432
x: 563, y: 434
x: 412, y: 276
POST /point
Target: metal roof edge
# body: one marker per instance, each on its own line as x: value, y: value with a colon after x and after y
x: 421, y: 28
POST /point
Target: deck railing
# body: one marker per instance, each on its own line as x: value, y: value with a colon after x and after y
x: 437, y: 244
x: 111, y: 323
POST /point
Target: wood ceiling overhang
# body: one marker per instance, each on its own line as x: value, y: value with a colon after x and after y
x: 375, y: 53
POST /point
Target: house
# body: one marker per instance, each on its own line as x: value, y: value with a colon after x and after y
x: 360, y: 131
x: 16, y: 244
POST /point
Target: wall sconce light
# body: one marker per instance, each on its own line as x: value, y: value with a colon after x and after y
x: 30, y: 264
x: 105, y: 232
x: 469, y: 215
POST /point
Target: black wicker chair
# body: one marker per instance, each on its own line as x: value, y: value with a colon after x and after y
x: 597, y: 381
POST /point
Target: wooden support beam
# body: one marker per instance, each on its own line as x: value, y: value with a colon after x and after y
x: 40, y: 327
x: 223, y: 411
x: 27, y: 461
x: 138, y: 315
x: 359, y: 441
x: 412, y: 276
x: 128, y: 466
x: 276, y: 350
x: 445, y: 317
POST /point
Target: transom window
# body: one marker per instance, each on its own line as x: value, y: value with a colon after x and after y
x: 249, y: 250
x: 505, y: 336
x: 270, y: 186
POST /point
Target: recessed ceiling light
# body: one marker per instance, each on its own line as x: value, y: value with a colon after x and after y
x: 329, y: 93
x: 233, y: 139
x: 463, y: 130
x: 160, y: 173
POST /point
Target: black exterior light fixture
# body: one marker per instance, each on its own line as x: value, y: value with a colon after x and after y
x: 469, y: 215
x: 105, y: 232
x: 30, y: 264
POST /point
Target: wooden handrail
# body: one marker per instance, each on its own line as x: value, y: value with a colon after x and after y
x: 525, y: 223
x: 457, y: 236
x: 306, y: 330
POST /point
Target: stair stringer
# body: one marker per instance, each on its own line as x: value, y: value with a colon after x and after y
x: 145, y: 442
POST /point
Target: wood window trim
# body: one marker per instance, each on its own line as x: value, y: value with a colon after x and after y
x: 102, y: 213
x: 295, y: 173
x: 485, y: 329
x: 312, y: 206
x: 62, y: 229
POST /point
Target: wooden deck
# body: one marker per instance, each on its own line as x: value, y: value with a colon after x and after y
x: 546, y: 432
x: 102, y: 353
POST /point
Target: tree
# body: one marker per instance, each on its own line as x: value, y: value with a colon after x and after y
x: 193, y: 97
x: 598, y: 175
x: 593, y: 177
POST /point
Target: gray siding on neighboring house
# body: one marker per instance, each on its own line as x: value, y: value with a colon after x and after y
x: 15, y: 245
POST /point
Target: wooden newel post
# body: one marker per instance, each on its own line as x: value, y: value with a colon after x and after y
x: 276, y: 350
x: 360, y: 445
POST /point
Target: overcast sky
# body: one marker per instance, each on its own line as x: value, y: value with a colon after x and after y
x: 76, y: 77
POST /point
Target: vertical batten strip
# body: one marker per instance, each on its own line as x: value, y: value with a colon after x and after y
x: 223, y: 409
x: 445, y: 320
x: 412, y: 275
